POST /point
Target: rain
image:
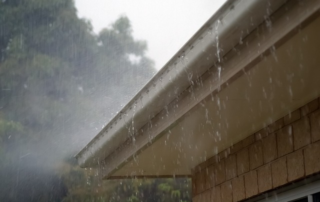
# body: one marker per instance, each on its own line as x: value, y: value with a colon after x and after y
x: 96, y: 113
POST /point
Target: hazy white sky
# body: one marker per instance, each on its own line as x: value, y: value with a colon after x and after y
x: 166, y: 25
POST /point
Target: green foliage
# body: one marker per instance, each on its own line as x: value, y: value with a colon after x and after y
x: 58, y: 79
x: 151, y: 190
x: 7, y: 127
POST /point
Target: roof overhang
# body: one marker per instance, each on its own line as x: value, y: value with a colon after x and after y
x: 205, y: 94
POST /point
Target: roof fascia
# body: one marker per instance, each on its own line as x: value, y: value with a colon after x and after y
x: 232, y: 22
x: 211, y: 84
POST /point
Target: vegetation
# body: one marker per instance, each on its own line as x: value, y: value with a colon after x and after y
x: 59, y: 83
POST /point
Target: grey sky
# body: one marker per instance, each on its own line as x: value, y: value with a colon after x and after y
x: 166, y: 25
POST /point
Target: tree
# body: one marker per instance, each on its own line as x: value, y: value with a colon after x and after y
x: 58, y: 78
x: 152, y: 190
x: 53, y: 68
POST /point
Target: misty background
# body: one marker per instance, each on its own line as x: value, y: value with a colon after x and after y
x: 166, y: 25
x: 60, y: 83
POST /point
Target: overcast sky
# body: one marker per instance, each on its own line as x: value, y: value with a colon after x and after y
x: 166, y: 25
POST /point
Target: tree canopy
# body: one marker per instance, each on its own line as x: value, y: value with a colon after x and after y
x: 59, y: 84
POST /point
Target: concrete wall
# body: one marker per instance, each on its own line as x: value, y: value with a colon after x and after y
x: 286, y: 151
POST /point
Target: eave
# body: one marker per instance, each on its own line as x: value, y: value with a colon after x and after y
x: 188, y: 78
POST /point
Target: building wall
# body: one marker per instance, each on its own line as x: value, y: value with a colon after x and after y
x: 285, y: 151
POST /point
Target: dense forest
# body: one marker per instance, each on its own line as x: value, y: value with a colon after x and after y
x: 59, y: 84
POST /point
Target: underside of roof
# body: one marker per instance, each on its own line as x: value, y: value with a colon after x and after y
x: 243, y: 70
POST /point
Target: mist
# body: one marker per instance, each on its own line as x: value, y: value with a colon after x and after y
x: 60, y: 84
